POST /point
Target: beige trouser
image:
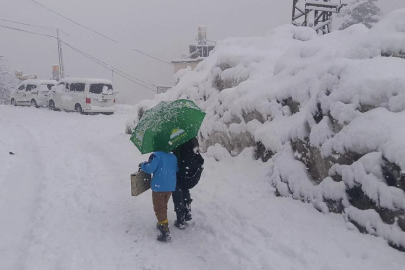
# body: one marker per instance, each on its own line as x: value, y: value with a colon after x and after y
x: 160, y: 200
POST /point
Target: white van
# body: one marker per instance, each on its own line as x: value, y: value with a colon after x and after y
x: 32, y: 92
x: 83, y: 96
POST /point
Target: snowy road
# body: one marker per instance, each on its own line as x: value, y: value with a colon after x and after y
x: 65, y: 204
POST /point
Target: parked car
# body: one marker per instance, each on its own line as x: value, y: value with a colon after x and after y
x: 83, y: 96
x: 33, y: 92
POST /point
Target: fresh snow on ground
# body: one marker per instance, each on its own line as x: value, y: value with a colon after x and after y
x: 65, y: 204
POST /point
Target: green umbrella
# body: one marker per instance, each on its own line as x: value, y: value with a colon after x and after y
x: 167, y: 125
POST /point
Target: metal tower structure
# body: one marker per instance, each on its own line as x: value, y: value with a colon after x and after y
x: 322, y: 11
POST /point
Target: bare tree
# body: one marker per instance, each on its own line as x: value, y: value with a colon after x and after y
x: 360, y: 11
x: 8, y: 81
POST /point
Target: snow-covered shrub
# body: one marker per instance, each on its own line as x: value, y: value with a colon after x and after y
x: 218, y: 152
x: 8, y: 81
x: 360, y: 11
x: 181, y: 73
x: 325, y: 112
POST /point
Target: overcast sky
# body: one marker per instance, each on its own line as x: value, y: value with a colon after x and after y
x: 160, y: 27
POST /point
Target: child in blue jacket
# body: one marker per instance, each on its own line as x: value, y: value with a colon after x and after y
x: 163, y: 167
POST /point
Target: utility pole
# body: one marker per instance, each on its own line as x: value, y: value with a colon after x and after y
x: 61, y: 68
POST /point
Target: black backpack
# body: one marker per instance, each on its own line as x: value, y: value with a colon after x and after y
x: 190, y: 164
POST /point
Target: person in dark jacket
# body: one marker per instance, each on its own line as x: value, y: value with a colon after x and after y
x: 190, y: 163
x: 163, y: 167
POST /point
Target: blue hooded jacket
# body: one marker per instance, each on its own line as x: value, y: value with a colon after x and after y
x: 164, y: 167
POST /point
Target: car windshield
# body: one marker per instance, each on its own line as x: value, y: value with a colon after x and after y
x: 98, y: 88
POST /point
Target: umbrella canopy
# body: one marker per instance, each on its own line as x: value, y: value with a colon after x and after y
x: 167, y: 125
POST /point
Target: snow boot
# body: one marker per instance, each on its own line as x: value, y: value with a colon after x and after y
x: 180, y: 221
x: 164, y: 235
x: 187, y: 208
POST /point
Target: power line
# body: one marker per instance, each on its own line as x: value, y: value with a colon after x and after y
x: 46, y: 27
x: 105, y: 65
x: 111, y: 67
x: 91, y: 30
x: 61, y: 66
x: 26, y: 31
x: 38, y: 26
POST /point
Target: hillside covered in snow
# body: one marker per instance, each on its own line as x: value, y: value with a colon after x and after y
x: 326, y: 113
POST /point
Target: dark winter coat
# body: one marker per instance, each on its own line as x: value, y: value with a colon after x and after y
x: 190, y: 163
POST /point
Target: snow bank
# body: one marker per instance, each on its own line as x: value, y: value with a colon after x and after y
x: 326, y: 109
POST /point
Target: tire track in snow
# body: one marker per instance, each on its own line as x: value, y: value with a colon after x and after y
x: 74, y: 207
x: 86, y: 210
x: 21, y: 186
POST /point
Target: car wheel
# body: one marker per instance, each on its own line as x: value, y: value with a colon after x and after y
x: 13, y: 102
x: 34, y: 103
x: 51, y: 105
x: 78, y: 108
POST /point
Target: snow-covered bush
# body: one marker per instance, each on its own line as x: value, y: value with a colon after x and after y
x: 360, y: 11
x: 325, y: 112
x: 8, y: 81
